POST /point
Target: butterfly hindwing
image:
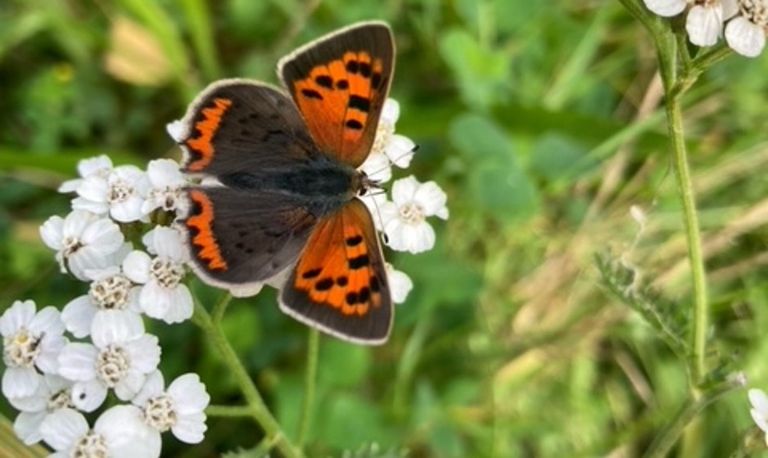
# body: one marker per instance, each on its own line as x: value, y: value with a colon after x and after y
x: 238, y: 238
x: 240, y: 125
x: 340, y: 83
x: 339, y: 283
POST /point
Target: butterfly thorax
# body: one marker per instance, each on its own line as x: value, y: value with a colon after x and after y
x: 323, y: 185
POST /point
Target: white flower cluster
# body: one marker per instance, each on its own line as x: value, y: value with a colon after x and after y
x: 403, y: 220
x: 54, y: 380
x: 745, y: 31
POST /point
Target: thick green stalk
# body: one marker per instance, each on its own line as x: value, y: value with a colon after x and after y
x: 693, y: 237
x: 259, y: 411
x: 676, y: 81
x: 310, y: 383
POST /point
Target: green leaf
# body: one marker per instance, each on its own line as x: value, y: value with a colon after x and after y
x: 506, y: 192
x: 480, y: 139
x: 496, y: 182
x: 439, y: 278
x: 480, y: 72
x: 343, y: 365
x: 349, y: 420
x: 557, y: 157
x: 242, y: 327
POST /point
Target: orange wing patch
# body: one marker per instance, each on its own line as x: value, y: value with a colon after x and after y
x: 337, y: 101
x: 201, y: 232
x: 338, y: 269
x: 201, y: 146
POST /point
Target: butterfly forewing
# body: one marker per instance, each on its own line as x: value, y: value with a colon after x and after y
x: 339, y: 83
x: 239, y: 125
x: 339, y: 283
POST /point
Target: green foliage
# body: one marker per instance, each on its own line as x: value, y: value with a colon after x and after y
x: 531, y: 115
x: 624, y: 282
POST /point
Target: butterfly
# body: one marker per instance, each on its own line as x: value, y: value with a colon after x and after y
x: 280, y: 189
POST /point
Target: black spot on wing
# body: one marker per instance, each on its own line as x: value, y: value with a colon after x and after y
x: 375, y: 287
x: 354, y: 124
x: 324, y: 81
x: 359, y: 262
x: 324, y: 285
x: 376, y: 80
x: 311, y: 94
x: 359, y: 103
x: 311, y: 273
x: 364, y: 295
x: 365, y: 69
x: 355, y: 240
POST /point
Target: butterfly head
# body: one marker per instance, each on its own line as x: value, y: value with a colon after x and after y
x: 366, y: 184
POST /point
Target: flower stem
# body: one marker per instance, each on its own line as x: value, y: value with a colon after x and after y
x: 676, y: 82
x: 663, y: 443
x: 228, y: 411
x: 693, y: 236
x: 258, y: 409
x: 310, y: 383
x: 220, y: 308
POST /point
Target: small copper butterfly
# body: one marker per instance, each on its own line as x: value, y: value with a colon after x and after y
x: 281, y: 187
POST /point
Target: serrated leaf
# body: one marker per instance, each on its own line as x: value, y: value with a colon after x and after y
x: 663, y: 316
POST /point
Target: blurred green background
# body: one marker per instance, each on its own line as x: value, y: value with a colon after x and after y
x: 543, y: 122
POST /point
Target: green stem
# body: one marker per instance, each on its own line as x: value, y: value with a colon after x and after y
x: 693, y: 237
x: 220, y: 308
x: 258, y: 408
x: 229, y: 411
x: 310, y: 383
x: 663, y: 443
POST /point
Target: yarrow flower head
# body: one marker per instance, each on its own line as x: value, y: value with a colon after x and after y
x: 120, y: 358
x: 53, y: 394
x: 50, y: 380
x: 166, y: 191
x: 404, y: 220
x: 120, y: 194
x: 99, y: 166
x: 180, y: 408
x: 163, y: 295
x: 31, y: 341
x: 745, y: 31
x: 118, y: 433
x: 83, y: 241
x: 388, y: 147
x: 110, y: 290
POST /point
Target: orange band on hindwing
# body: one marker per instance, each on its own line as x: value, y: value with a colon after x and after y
x: 202, y: 145
x: 199, y: 224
